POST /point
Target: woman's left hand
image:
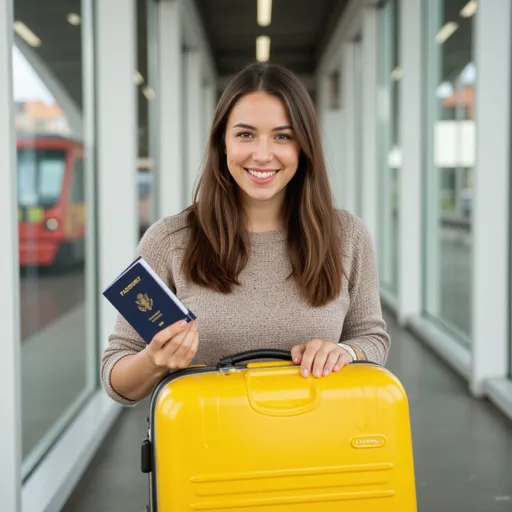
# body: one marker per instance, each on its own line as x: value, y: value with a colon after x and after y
x: 318, y: 357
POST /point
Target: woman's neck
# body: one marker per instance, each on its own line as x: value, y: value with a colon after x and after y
x: 264, y: 215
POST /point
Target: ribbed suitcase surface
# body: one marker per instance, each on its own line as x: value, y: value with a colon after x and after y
x: 263, y: 438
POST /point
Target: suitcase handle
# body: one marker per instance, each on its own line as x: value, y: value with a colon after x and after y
x: 264, y: 353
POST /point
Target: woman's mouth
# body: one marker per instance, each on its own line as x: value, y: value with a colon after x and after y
x: 261, y: 176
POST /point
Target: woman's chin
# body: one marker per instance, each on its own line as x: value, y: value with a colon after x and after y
x: 261, y: 195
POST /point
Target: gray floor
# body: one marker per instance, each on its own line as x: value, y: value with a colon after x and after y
x: 463, y: 447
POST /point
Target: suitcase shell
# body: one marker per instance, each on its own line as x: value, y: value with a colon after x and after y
x: 260, y: 437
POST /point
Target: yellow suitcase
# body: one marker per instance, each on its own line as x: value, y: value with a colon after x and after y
x: 259, y: 437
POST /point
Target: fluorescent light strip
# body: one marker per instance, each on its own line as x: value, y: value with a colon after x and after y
x: 262, y: 48
x: 469, y: 9
x: 149, y: 93
x: 74, y: 19
x: 446, y: 32
x: 138, y: 78
x: 26, y: 34
x: 264, y: 12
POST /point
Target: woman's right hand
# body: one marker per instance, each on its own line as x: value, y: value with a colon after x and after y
x: 174, y: 347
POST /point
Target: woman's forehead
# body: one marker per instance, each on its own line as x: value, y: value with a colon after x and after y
x: 259, y: 110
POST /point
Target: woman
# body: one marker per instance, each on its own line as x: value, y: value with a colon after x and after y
x: 261, y: 256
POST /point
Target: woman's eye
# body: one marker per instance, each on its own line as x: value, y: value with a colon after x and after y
x: 283, y: 136
x: 244, y: 135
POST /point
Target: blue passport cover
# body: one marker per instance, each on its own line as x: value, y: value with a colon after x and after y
x: 145, y: 301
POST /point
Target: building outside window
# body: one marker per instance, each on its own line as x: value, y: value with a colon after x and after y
x: 450, y: 76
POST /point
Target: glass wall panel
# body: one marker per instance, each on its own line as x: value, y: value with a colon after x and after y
x: 358, y: 122
x: 145, y: 95
x: 450, y: 137
x: 53, y: 164
x: 390, y: 156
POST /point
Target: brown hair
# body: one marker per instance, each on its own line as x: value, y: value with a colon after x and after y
x: 218, y: 247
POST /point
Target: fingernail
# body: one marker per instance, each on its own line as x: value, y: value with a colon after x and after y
x: 296, y: 360
x: 327, y: 371
x: 305, y: 372
x: 182, y: 323
x: 318, y: 373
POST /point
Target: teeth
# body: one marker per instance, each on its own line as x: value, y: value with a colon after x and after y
x: 262, y: 174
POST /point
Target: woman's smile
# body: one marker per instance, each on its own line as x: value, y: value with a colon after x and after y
x: 261, y: 176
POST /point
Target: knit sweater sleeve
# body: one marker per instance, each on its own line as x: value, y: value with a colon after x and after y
x: 124, y: 340
x: 364, y: 327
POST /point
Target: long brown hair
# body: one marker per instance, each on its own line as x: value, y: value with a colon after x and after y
x: 218, y: 247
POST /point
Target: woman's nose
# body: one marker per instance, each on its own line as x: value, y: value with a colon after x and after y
x: 262, y: 152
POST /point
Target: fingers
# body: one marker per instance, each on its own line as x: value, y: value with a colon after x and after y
x: 344, y: 358
x: 322, y: 358
x: 297, y: 352
x: 331, y: 362
x: 162, y: 337
x: 178, y: 348
x: 174, y: 347
x: 192, y: 351
x: 308, y: 358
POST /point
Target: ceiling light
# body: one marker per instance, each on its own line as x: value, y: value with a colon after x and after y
x: 149, y: 93
x: 444, y: 90
x: 26, y: 34
x: 138, y: 78
x: 262, y: 48
x: 469, y: 9
x: 468, y: 74
x: 397, y: 74
x: 74, y: 19
x: 446, y: 32
x: 264, y: 12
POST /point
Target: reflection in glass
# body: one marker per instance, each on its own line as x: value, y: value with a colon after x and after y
x: 450, y: 136
x: 40, y: 176
x: 51, y: 179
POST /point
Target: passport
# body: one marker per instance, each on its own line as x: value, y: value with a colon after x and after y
x: 145, y: 301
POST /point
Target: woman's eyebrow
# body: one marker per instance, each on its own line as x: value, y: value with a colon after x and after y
x: 249, y: 127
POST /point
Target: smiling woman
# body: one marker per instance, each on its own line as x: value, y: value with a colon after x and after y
x: 262, y: 154
x: 261, y: 256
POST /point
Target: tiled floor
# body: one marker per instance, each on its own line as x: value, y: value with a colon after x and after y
x: 463, y: 447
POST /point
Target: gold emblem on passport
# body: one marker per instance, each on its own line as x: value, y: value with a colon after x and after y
x: 144, y: 302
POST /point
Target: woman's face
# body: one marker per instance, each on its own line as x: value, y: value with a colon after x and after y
x: 261, y: 150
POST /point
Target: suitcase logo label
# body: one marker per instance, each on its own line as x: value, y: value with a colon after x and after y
x: 368, y: 442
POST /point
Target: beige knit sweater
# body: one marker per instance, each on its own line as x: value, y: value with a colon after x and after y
x: 266, y: 311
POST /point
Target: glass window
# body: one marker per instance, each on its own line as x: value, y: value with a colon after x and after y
x: 358, y: 122
x: 389, y: 79
x: 57, y: 348
x: 145, y: 167
x: 40, y: 176
x: 78, y: 181
x: 450, y: 138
